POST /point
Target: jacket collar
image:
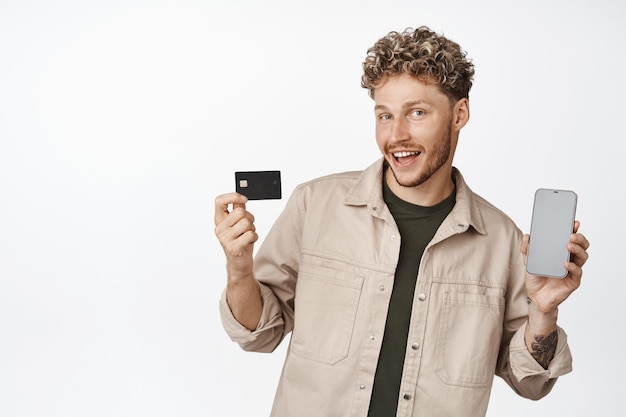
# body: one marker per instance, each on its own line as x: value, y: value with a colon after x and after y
x: 368, y: 191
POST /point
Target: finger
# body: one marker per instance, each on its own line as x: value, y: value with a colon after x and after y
x: 575, y: 273
x: 245, y: 224
x: 235, y: 224
x: 579, y: 239
x: 576, y: 226
x: 239, y: 208
x: 234, y: 240
x: 237, y: 246
x: 223, y: 201
x: 579, y: 254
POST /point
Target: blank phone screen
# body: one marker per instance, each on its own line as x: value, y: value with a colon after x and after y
x: 551, y: 226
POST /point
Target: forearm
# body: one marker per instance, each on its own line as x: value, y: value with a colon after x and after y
x: 244, y: 299
x: 541, y: 335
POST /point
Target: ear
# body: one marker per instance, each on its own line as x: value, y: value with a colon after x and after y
x: 460, y: 114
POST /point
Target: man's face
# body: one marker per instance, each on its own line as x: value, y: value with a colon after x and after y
x: 414, y: 130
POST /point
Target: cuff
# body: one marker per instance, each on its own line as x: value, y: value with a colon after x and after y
x: 271, y: 318
x: 524, y: 365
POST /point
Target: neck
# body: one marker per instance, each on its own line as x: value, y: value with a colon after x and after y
x: 433, y: 191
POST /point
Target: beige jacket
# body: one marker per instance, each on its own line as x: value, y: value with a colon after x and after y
x: 326, y: 272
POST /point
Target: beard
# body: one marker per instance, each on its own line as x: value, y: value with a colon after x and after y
x: 437, y: 158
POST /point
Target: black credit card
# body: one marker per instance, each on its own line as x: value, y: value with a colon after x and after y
x: 258, y: 185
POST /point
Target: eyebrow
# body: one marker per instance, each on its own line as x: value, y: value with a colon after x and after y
x: 405, y: 105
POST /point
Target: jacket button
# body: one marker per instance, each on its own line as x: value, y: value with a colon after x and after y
x: 407, y: 396
x: 422, y: 297
x: 415, y: 346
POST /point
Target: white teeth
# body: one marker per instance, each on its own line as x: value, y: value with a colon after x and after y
x: 404, y: 154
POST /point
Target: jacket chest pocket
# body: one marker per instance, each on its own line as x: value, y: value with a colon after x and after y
x: 325, y: 312
x: 469, y: 336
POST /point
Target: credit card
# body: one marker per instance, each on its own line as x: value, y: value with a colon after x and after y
x: 258, y: 185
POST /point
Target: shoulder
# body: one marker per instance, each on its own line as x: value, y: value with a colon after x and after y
x: 352, y: 187
x: 493, y: 213
x: 499, y: 228
x: 483, y: 215
x: 328, y: 188
x: 339, y: 178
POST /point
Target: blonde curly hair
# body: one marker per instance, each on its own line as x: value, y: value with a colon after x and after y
x: 430, y: 57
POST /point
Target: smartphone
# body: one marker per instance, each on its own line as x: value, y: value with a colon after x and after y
x: 258, y: 185
x: 551, y: 226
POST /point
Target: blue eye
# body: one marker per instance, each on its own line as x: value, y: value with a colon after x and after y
x: 417, y: 113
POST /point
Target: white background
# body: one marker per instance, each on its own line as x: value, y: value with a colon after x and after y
x: 120, y: 121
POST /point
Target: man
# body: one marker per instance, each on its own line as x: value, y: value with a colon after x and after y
x: 404, y: 290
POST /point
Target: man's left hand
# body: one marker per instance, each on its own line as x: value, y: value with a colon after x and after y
x: 547, y: 293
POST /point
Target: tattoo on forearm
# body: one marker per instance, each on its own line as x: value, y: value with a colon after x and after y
x: 544, y: 348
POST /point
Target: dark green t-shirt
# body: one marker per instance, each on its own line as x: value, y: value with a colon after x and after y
x: 417, y: 226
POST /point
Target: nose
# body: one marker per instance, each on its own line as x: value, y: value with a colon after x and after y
x: 399, y: 130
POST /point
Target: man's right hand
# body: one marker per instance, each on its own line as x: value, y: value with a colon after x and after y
x: 236, y: 232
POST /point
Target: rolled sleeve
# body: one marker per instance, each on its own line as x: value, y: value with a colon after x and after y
x: 269, y: 331
x: 531, y: 376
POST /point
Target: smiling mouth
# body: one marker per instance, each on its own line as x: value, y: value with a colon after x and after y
x: 404, y: 155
